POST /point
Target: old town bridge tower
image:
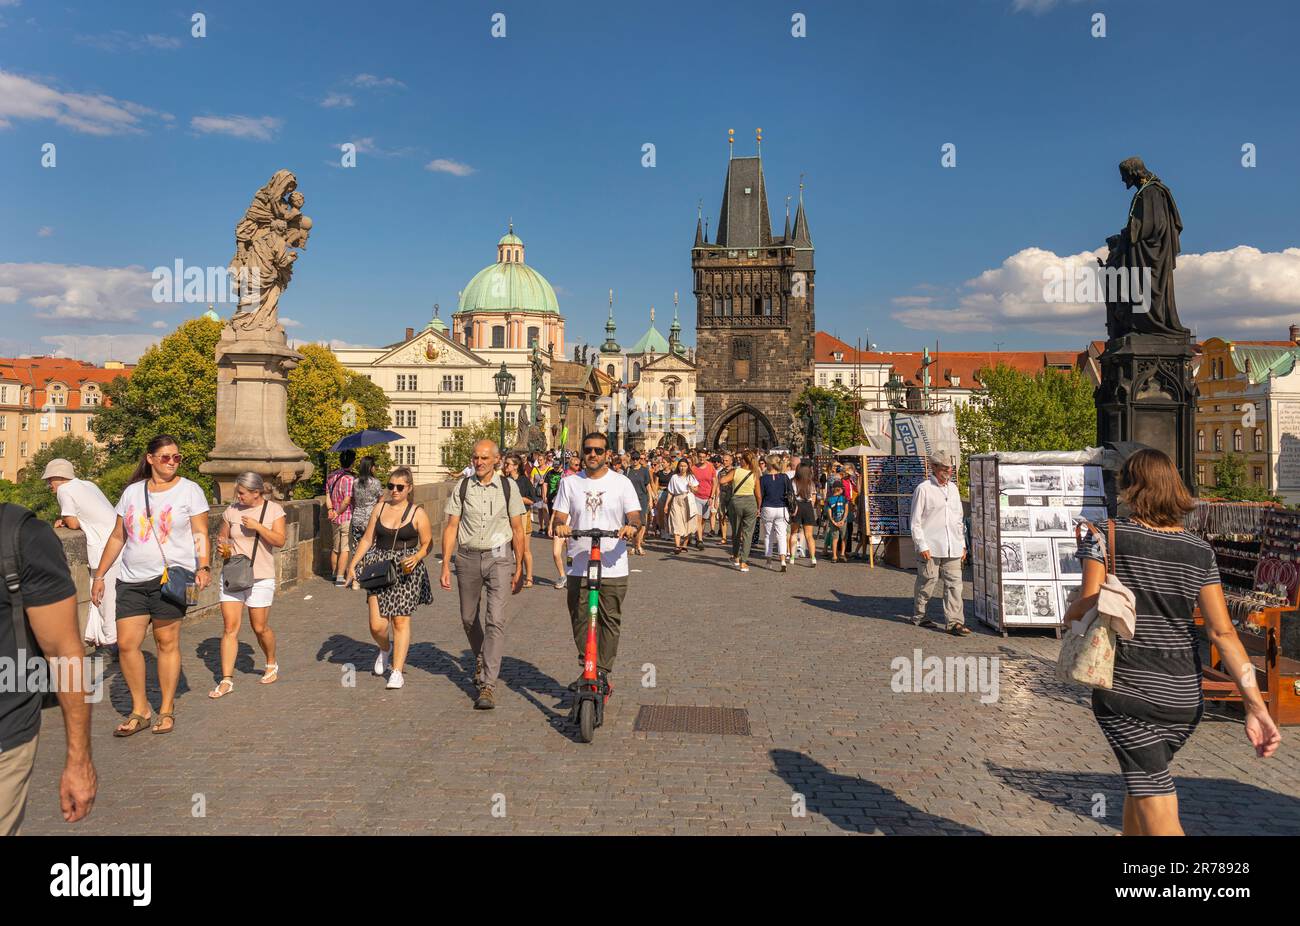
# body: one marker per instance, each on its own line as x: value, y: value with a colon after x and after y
x: 754, y: 314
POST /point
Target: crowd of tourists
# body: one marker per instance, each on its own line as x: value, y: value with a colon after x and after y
x: 148, y: 558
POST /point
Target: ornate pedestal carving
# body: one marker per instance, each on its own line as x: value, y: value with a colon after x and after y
x: 1147, y: 395
x: 252, y: 403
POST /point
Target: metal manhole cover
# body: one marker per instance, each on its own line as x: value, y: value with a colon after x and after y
x: 661, y: 718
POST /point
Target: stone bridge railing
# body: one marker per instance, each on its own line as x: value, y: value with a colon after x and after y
x: 306, y: 551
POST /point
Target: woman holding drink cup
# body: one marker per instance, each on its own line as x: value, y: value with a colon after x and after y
x: 162, y: 536
x: 253, y: 528
x: 399, y: 531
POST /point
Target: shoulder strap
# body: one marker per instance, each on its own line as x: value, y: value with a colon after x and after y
x: 505, y: 487
x: 12, y: 520
x: 257, y: 538
x: 464, y: 490
x: 1110, y: 546
x: 153, y: 529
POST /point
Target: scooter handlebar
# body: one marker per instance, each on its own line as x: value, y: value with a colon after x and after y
x: 595, y: 533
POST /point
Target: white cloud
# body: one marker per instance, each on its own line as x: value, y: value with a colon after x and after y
x: 45, y: 231
x: 290, y: 322
x: 912, y: 301
x: 258, y: 128
x: 1242, y: 292
x: 160, y: 324
x: 76, y: 291
x: 97, y: 348
x: 448, y: 166
x: 370, y: 82
x: 93, y: 114
x: 367, y: 145
x: 337, y: 101
x: 119, y: 40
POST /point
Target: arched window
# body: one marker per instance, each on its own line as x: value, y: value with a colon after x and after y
x: 610, y: 370
x: 636, y: 371
x: 1236, y: 440
x: 1218, y: 440
x: 534, y: 333
x: 1200, y: 440
x: 1259, y: 440
x: 498, y: 335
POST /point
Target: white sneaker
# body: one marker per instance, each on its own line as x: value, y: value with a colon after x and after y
x: 381, y: 662
x: 395, y: 680
x: 814, y: 561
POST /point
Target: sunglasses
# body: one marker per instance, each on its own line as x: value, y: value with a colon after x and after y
x: 167, y: 457
x: 396, y: 487
x: 596, y: 450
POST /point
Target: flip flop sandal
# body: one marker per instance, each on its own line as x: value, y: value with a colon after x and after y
x: 140, y: 722
x: 227, y: 683
x: 528, y: 583
x: 271, y: 674
x: 959, y: 630
x: 157, y: 728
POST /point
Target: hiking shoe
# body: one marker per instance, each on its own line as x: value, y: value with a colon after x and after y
x: 485, y: 700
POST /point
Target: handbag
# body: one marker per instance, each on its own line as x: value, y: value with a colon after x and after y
x: 1087, y: 654
x: 383, y: 573
x: 237, y: 573
x: 175, y: 579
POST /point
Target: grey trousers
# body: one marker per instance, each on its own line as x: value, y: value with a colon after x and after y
x: 485, y: 627
x: 928, y: 574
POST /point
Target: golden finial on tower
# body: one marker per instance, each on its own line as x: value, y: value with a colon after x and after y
x: 652, y: 315
x: 731, y: 143
x: 758, y: 134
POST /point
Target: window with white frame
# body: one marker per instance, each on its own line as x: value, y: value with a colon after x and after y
x: 45, y: 422
x: 26, y: 421
x: 22, y: 450
x: 2, y: 448
x: 67, y: 424
x: 405, y: 417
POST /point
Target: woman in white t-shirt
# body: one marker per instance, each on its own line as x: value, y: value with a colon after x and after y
x: 252, y: 527
x: 162, y: 523
x: 681, y: 505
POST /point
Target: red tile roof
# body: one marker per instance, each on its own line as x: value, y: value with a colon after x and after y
x: 39, y: 372
x: 963, y: 365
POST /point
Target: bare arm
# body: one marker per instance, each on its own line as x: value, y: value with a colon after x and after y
x: 1094, y: 574
x: 202, y: 555
x: 273, y: 535
x: 112, y: 547
x: 56, y: 630
x: 71, y: 522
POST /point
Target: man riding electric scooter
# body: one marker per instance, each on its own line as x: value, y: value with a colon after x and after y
x: 603, y: 505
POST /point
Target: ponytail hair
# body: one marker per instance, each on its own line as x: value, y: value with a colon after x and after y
x: 142, y: 469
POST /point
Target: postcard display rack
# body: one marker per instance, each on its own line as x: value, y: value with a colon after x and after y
x: 1022, y: 537
x: 890, y: 484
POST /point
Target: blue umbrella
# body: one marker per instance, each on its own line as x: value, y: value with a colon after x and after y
x: 366, y: 438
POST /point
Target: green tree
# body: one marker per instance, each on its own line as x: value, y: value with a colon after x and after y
x: 1230, y: 483
x: 456, y: 451
x: 173, y: 390
x: 1048, y: 410
x: 841, y: 429
x: 319, y: 388
x: 32, y: 492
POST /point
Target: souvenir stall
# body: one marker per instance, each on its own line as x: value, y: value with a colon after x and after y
x: 888, y: 486
x: 1257, y: 547
x: 1024, y: 507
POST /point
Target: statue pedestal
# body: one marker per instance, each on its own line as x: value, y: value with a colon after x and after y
x: 1147, y: 395
x: 252, y: 404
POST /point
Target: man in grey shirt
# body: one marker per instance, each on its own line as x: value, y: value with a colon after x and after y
x: 485, y: 532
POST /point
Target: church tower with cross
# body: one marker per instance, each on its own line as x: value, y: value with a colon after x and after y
x: 754, y: 316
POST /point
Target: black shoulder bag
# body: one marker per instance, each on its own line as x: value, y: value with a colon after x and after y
x: 174, y: 578
x: 383, y: 573
x: 237, y: 573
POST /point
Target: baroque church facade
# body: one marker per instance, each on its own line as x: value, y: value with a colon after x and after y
x: 755, y: 317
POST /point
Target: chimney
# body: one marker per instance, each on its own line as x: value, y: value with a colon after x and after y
x: 410, y: 333
x: 1295, y: 334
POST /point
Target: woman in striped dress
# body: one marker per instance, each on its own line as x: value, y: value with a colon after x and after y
x: 1155, y: 700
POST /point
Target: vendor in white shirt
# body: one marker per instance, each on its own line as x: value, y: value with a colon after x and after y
x: 939, y: 533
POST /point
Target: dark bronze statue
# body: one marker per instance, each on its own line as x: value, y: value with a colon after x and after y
x: 1148, y: 242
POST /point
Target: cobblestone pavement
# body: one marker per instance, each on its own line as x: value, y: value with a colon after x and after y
x: 807, y: 653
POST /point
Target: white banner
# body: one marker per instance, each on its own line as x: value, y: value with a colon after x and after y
x: 914, y: 435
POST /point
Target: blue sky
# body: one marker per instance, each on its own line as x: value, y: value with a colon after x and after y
x: 162, y: 138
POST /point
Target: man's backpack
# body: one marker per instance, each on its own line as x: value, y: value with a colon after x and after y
x: 12, y: 520
x: 505, y: 487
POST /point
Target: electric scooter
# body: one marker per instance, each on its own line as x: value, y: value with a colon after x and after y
x: 589, y: 703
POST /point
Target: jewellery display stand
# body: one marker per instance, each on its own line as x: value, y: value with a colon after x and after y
x: 1258, y: 552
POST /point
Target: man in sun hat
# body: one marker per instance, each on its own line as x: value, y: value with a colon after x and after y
x: 939, y: 533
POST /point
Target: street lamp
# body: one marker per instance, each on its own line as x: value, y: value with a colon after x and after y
x: 564, y: 415
x: 505, y: 382
x: 895, y: 392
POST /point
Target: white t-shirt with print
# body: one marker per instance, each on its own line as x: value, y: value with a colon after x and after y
x: 94, y: 513
x: 603, y: 504
x: 172, y: 510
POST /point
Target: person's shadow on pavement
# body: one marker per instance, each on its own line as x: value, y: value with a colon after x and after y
x: 209, y: 651
x: 120, y: 696
x: 858, y: 805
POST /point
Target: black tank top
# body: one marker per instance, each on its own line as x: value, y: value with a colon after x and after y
x: 406, y: 535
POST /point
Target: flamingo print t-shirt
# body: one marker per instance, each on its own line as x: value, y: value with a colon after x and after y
x: 141, y: 558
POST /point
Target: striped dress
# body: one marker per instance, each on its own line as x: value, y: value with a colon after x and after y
x: 1155, y: 701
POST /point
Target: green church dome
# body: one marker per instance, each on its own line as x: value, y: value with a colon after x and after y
x: 509, y: 285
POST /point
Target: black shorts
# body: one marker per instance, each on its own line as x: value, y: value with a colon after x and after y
x: 137, y: 598
x: 804, y: 515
